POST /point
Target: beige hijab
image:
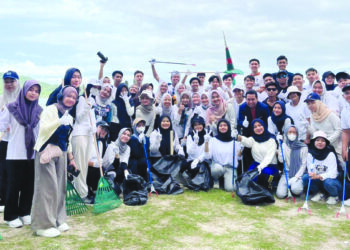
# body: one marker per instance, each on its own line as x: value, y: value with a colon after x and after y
x: 322, y: 112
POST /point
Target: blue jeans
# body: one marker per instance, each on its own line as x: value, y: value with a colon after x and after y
x: 332, y: 187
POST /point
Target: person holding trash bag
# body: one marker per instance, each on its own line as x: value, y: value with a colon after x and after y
x: 220, y: 152
x: 52, y: 148
x: 137, y: 160
x: 21, y: 119
x: 263, y: 147
x: 295, y: 154
x: 160, y: 140
x: 117, y: 154
x: 322, y: 165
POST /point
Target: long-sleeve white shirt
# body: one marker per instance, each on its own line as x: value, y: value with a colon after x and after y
x: 194, y: 151
x: 82, y: 125
x: 222, y: 152
x: 273, y: 128
x: 287, y: 151
x: 155, y: 144
x: 111, y: 152
x: 16, y: 148
x: 263, y: 152
x: 326, y: 168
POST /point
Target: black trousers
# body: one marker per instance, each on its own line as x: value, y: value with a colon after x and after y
x: 247, y: 158
x: 3, y: 172
x: 139, y: 167
x: 20, y: 188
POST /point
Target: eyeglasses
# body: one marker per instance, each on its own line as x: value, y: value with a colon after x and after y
x: 271, y: 89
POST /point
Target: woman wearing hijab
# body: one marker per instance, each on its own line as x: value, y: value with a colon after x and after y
x: 264, y: 146
x: 182, y: 114
x: 322, y: 169
x: 179, y: 89
x: 137, y: 160
x: 117, y: 154
x: 327, y: 98
x: 295, y: 154
x: 11, y: 90
x: 218, y: 110
x: 53, y: 148
x: 160, y: 140
x: 103, y: 103
x: 328, y: 77
x: 195, y: 143
x: 163, y: 89
x: 201, y: 110
x: 21, y: 118
x: 72, y: 78
x: 278, y: 120
x: 221, y: 155
x: 325, y: 120
x: 82, y: 143
x: 165, y: 108
x: 146, y: 111
x: 122, y: 111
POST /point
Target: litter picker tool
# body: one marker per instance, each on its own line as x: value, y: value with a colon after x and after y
x: 153, y: 190
x: 233, y: 168
x: 106, y: 199
x: 342, y: 208
x: 178, y: 63
x: 306, y: 205
x: 286, y: 176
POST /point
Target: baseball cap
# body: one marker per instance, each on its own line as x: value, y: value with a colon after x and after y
x: 10, y: 74
x: 312, y: 97
x: 282, y: 72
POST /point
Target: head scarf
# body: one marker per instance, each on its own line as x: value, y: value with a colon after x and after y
x: 69, y: 74
x: 320, y: 154
x: 265, y: 136
x: 166, y: 111
x: 217, y: 112
x: 324, y: 76
x: 200, y: 120
x: 164, y: 148
x: 295, y: 147
x: 67, y: 91
x: 122, y: 146
x: 9, y: 96
x: 225, y: 137
x: 322, y: 111
x: 104, y: 101
x: 280, y: 119
x: 147, y: 113
x: 190, y: 99
x: 207, y: 106
x: 27, y: 113
x: 196, y: 93
x: 123, y: 117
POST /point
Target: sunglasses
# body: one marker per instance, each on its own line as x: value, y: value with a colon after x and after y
x: 282, y: 76
x: 271, y: 89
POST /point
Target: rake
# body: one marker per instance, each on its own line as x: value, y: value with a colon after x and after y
x: 286, y: 175
x: 74, y: 203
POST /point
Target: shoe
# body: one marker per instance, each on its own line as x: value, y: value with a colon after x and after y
x: 63, y: 227
x: 347, y: 202
x: 332, y: 200
x: 87, y: 200
x: 2, y: 209
x: 318, y: 197
x: 50, y: 232
x: 216, y: 185
x: 27, y: 220
x: 15, y: 223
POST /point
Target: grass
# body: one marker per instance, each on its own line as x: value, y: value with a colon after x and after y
x: 195, y: 220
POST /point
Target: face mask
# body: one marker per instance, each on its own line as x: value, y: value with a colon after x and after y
x: 140, y: 130
x: 291, y: 137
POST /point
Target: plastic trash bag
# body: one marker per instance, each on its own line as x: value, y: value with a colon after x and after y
x: 199, y: 178
x: 164, y: 172
x: 250, y: 192
x: 135, y: 190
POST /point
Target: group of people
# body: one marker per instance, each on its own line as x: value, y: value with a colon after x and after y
x: 270, y: 120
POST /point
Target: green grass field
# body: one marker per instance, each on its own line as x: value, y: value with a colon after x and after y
x: 195, y: 221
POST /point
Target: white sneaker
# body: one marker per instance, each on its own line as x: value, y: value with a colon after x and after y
x: 50, y: 232
x: 15, y: 223
x: 2, y: 209
x: 318, y: 197
x: 347, y: 202
x: 63, y: 227
x: 332, y: 200
x: 27, y: 220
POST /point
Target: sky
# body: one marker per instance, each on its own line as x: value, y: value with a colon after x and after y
x: 42, y: 39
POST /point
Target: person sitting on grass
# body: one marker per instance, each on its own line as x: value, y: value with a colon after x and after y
x: 295, y: 154
x: 221, y: 155
x: 322, y: 165
x: 263, y: 145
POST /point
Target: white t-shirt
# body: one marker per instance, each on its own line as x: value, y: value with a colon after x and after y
x: 345, y: 117
x: 299, y: 114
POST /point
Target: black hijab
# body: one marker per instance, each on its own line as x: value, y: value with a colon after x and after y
x: 164, y: 148
x: 200, y: 120
x: 225, y: 137
x: 264, y: 136
x: 320, y: 154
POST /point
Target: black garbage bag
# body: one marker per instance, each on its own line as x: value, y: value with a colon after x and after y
x: 164, y: 172
x: 199, y: 178
x: 135, y: 190
x: 250, y: 192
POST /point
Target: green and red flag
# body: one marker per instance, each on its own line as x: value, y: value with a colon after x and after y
x: 229, y: 64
